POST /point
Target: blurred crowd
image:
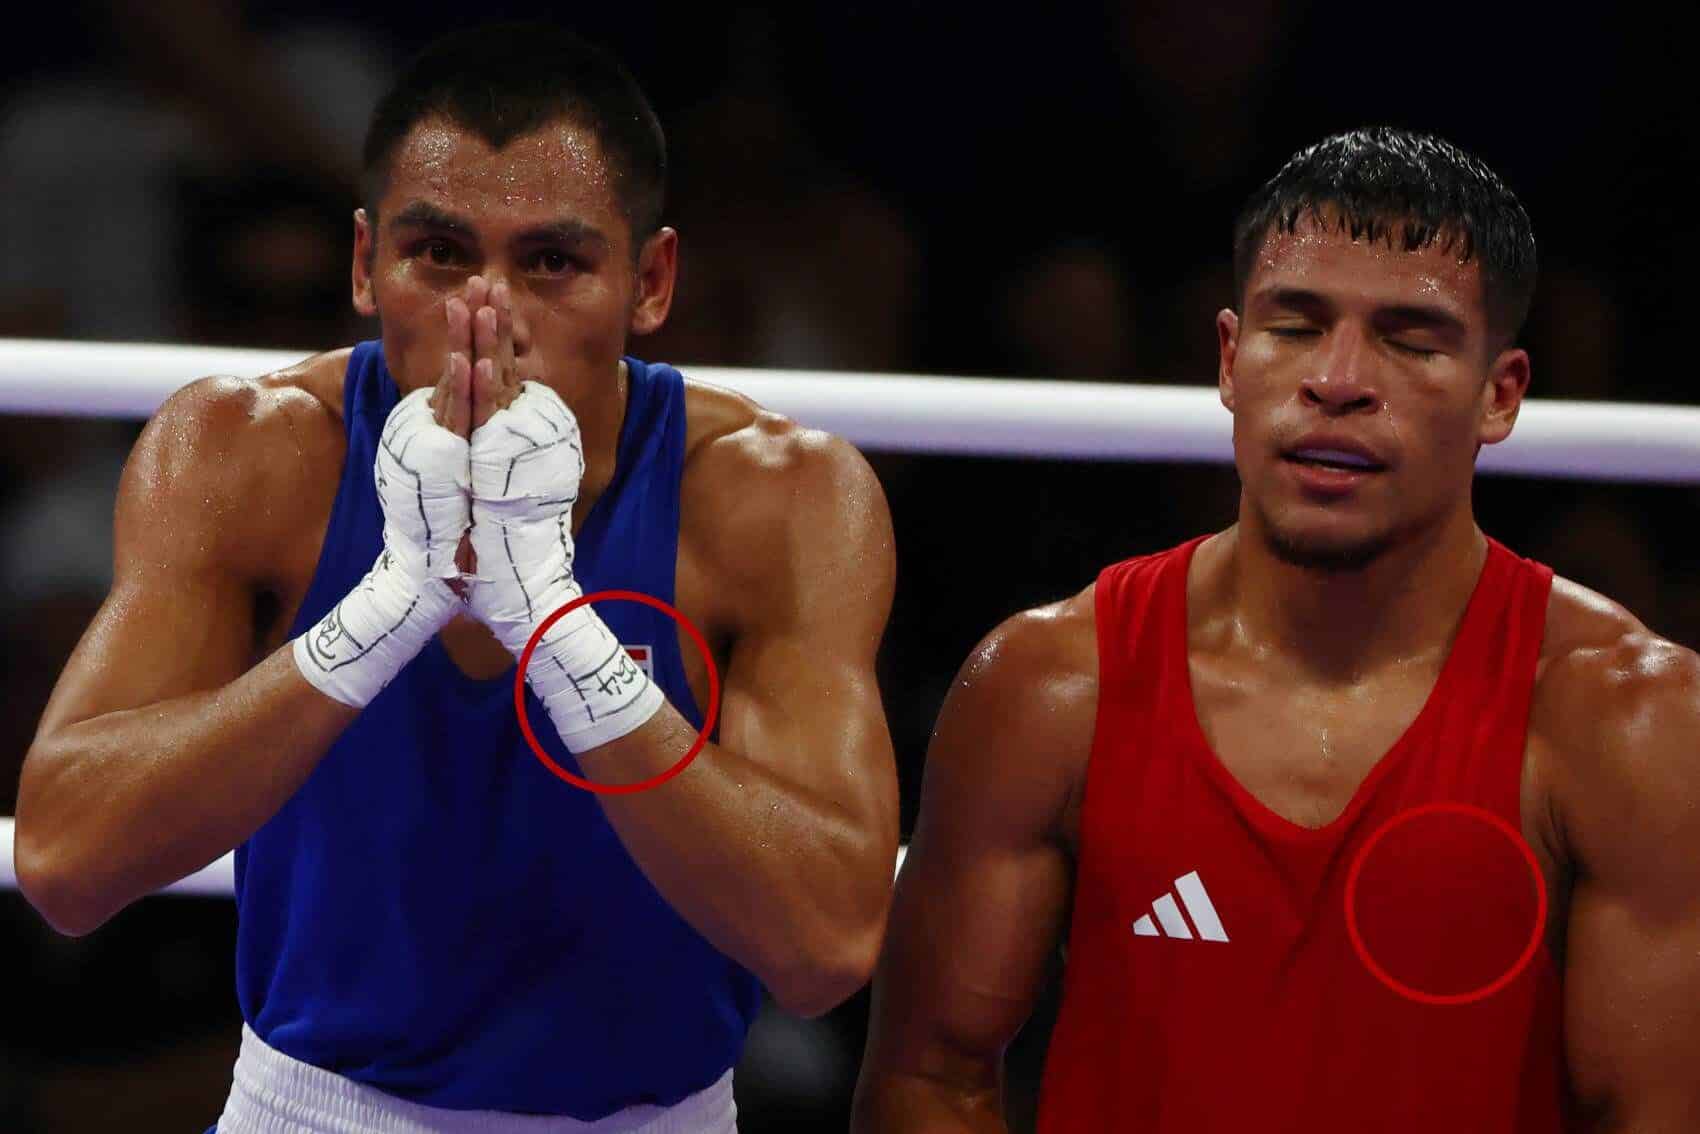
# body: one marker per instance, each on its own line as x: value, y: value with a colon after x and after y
x: 892, y: 186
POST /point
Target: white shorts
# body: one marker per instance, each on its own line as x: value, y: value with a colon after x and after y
x: 272, y: 1093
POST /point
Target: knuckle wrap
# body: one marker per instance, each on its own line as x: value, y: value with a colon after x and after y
x: 422, y: 478
x: 527, y: 465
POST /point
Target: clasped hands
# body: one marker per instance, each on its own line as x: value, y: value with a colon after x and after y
x: 478, y: 475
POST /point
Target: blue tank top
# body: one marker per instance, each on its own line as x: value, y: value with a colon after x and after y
x: 434, y: 913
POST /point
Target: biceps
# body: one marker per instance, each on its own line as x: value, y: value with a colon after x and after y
x: 154, y: 638
x: 1632, y: 1010
x: 970, y: 938
x: 810, y: 710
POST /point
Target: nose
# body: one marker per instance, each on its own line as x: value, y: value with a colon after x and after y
x: 1342, y: 380
x: 522, y: 332
x: 522, y: 327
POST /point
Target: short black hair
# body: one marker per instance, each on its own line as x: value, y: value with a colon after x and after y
x: 501, y: 81
x: 1393, y: 185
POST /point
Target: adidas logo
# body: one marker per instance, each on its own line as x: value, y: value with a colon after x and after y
x: 1198, y: 904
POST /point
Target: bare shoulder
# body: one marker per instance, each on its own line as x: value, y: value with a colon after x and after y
x: 756, y: 479
x: 1052, y: 649
x: 1619, y: 707
x: 233, y: 461
x: 1036, y: 674
x: 1598, y: 659
x: 1016, y: 728
x: 736, y: 445
x: 312, y: 387
x: 223, y: 416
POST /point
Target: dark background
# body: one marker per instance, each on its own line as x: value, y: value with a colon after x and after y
x: 927, y: 188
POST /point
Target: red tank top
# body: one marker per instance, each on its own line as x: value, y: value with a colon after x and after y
x: 1212, y: 983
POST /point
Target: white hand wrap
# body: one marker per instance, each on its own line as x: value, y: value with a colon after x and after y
x: 422, y: 474
x: 527, y: 462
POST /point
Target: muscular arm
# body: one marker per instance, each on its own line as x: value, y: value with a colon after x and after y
x: 984, y: 891
x: 777, y: 843
x: 158, y: 752
x: 1631, y: 814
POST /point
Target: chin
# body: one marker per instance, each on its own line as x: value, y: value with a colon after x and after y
x: 1326, y: 551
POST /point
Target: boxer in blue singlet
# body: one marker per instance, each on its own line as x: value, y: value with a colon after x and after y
x: 324, y: 577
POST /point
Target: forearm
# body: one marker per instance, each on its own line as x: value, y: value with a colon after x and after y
x: 894, y: 1103
x: 114, y: 807
x: 784, y: 880
x: 778, y: 847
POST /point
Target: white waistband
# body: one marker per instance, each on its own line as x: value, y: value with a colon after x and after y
x: 273, y: 1093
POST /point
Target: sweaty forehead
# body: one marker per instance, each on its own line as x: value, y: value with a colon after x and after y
x: 1321, y: 258
x: 558, y: 168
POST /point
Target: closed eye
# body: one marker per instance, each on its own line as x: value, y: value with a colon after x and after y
x: 1293, y: 332
x: 1413, y: 351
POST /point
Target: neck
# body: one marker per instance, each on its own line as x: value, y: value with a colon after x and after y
x: 1339, y: 625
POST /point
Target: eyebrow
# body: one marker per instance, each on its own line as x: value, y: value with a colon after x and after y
x: 422, y: 214
x: 1294, y: 297
x: 1423, y: 316
x: 567, y: 230
x: 1414, y: 315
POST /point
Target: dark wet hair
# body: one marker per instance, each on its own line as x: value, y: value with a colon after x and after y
x: 501, y: 81
x: 1411, y: 191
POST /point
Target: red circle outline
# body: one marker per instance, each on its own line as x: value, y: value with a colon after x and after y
x: 1449, y: 998
x: 708, y: 717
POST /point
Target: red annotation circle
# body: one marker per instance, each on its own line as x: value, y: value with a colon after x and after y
x: 708, y: 717
x: 1417, y: 994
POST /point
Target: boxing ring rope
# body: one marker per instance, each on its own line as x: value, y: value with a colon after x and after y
x: 923, y: 414
x: 1614, y: 441
x: 217, y: 879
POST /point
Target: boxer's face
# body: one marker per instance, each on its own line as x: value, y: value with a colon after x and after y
x: 1362, y: 380
x: 541, y: 213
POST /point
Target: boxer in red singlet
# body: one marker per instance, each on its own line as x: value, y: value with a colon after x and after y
x: 1191, y: 759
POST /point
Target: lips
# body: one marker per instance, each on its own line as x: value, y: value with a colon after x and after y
x: 1340, y: 453
x: 1331, y: 467
x: 1334, y: 459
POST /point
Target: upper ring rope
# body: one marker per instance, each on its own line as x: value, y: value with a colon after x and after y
x: 923, y: 414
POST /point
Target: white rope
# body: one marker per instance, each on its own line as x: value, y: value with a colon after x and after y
x: 915, y: 413
x: 218, y: 878
x: 215, y: 880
